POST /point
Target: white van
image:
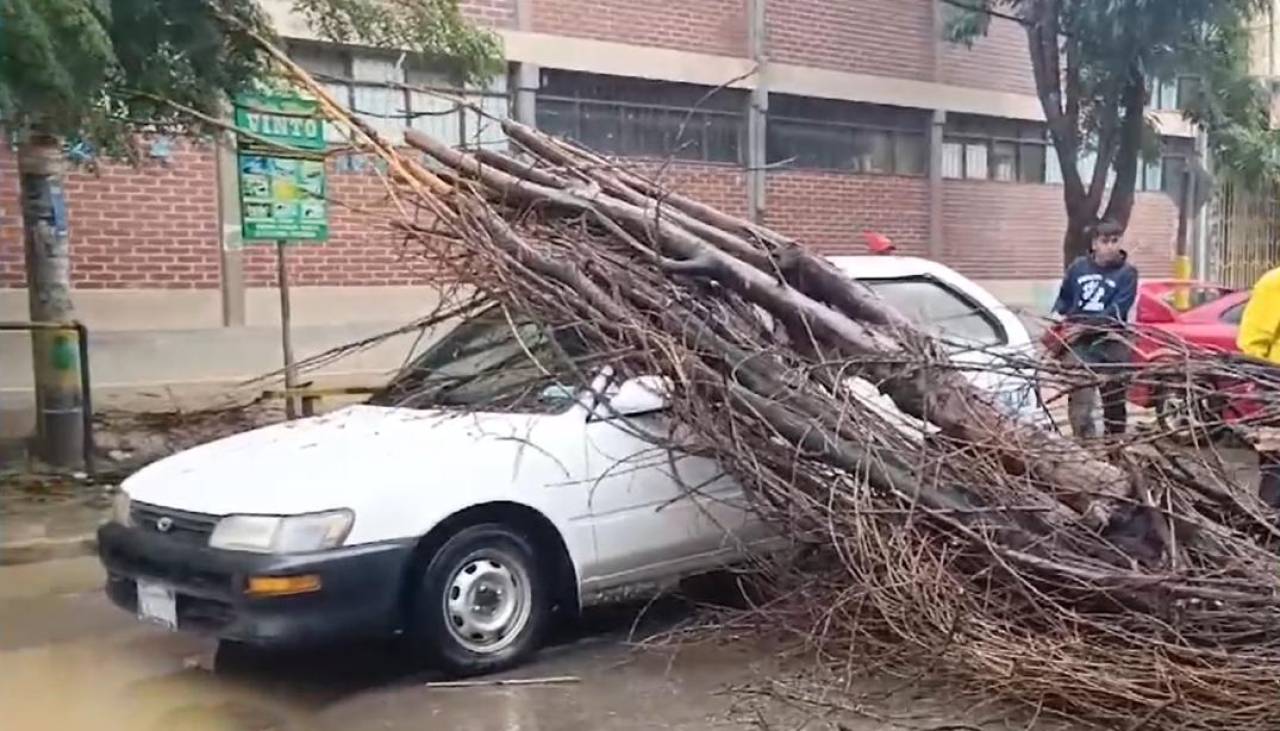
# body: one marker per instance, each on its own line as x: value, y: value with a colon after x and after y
x: 465, y: 531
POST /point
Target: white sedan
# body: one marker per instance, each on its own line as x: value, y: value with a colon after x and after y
x: 465, y: 531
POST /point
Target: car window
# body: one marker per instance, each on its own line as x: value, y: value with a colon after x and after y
x: 1197, y: 296
x: 1234, y: 313
x: 940, y: 310
x: 485, y: 364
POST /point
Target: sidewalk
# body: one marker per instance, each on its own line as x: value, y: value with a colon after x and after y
x: 44, y: 518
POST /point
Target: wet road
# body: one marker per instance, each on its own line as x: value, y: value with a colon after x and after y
x: 69, y: 660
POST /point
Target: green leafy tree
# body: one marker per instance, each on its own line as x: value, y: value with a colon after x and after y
x: 1092, y: 61
x: 98, y: 71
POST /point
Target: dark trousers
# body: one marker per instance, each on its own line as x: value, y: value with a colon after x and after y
x: 1106, y: 359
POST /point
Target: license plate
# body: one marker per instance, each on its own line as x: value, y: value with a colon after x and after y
x: 157, y: 604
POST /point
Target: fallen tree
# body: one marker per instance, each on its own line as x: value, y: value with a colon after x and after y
x: 1123, y: 587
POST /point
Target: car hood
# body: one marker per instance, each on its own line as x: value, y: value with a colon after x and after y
x: 339, y: 460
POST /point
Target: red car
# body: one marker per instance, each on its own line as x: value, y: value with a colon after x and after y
x: 1212, y: 321
x: 1166, y: 334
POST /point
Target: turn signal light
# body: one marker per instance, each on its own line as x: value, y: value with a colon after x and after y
x: 261, y: 586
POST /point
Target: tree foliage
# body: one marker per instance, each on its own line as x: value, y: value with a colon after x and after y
x: 1093, y: 61
x: 96, y: 69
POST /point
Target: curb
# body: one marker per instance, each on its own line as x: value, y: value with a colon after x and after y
x: 14, y: 554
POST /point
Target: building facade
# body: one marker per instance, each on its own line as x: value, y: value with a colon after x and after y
x: 821, y: 119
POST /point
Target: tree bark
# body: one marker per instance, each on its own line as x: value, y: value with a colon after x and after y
x: 1075, y: 242
x: 1120, y: 206
x: 55, y: 357
x: 937, y: 395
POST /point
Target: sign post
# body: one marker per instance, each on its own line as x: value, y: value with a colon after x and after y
x: 282, y: 191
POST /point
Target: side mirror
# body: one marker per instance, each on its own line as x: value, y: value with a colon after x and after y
x: 642, y: 395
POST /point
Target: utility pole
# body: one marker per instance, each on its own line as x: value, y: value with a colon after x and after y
x: 757, y: 156
x: 54, y: 354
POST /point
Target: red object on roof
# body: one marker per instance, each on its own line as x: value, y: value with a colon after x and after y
x: 878, y: 243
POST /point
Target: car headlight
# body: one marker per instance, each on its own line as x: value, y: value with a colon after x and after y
x: 288, y: 534
x: 120, y: 509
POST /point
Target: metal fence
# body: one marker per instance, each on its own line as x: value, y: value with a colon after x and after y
x: 1244, y: 233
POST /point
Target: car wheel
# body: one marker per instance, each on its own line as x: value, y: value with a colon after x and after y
x: 482, y: 604
x: 235, y: 658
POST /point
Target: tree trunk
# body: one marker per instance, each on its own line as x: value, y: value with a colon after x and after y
x: 48, y: 258
x: 1126, y: 162
x: 1075, y: 242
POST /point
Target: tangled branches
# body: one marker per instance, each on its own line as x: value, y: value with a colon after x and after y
x: 1124, y: 584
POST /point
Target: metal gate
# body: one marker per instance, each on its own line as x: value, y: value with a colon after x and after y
x: 1244, y: 233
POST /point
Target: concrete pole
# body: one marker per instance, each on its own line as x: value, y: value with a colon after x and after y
x: 54, y: 353
x: 230, y: 244
x: 527, y: 76
x: 1200, y: 246
x: 937, y: 234
x: 757, y: 157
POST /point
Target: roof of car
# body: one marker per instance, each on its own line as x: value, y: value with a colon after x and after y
x: 877, y: 267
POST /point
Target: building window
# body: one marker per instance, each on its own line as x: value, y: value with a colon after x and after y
x: 1165, y: 173
x: 989, y: 148
x: 391, y: 94
x: 1170, y: 95
x: 640, y: 118
x: 834, y: 135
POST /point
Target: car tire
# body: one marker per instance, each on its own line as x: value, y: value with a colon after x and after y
x: 233, y: 658
x: 482, y: 604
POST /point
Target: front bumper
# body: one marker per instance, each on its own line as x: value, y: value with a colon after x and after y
x: 359, y: 594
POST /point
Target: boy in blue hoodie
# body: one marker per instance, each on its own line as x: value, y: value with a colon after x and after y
x: 1096, y: 298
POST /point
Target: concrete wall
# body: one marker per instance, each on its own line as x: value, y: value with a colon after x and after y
x: 153, y: 350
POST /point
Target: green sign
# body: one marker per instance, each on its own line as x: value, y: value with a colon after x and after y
x: 287, y: 121
x: 281, y: 170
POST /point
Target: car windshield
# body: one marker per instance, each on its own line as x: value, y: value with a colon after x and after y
x: 486, y: 364
x: 940, y: 310
x: 1197, y: 296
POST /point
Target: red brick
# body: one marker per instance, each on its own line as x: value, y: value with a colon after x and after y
x: 708, y: 26
x: 1009, y: 231
x: 997, y: 61
x: 134, y: 200
x: 884, y: 37
x: 830, y: 211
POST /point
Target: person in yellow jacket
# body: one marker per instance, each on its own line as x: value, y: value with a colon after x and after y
x: 1259, y: 337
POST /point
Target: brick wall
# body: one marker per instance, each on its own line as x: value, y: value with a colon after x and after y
x: 721, y: 186
x: 491, y: 13
x: 1008, y: 231
x: 12, y: 268
x: 831, y: 210
x: 885, y: 37
x: 708, y: 26
x: 154, y: 226
x: 998, y: 61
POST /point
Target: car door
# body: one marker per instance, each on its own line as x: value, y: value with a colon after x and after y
x: 657, y: 511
